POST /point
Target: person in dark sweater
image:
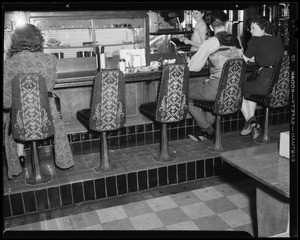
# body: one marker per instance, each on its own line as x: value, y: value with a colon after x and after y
x: 265, y: 49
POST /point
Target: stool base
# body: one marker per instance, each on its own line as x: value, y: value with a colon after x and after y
x: 43, y: 178
x: 171, y: 158
x: 213, y: 149
x: 112, y: 167
x: 262, y: 140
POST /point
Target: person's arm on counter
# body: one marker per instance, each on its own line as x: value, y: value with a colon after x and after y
x: 199, y: 59
x: 251, y: 50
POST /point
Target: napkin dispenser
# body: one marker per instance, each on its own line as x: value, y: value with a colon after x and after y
x: 284, y: 145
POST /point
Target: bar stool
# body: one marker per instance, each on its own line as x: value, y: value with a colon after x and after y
x: 229, y: 95
x: 31, y: 119
x: 277, y: 96
x: 171, y: 106
x: 107, y: 112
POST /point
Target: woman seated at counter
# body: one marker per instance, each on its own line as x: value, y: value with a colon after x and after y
x: 266, y: 49
x: 26, y: 56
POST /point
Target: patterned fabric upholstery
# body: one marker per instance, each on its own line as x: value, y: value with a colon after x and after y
x: 172, y: 104
x: 229, y: 95
x: 31, y: 116
x: 108, y: 103
x: 278, y: 93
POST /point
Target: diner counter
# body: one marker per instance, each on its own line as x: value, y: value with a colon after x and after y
x: 86, y: 78
x: 74, y: 88
x: 77, y: 79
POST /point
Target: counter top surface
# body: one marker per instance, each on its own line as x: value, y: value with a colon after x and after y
x: 86, y: 78
x: 264, y: 164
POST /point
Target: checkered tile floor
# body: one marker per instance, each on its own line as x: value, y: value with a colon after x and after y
x: 227, y: 206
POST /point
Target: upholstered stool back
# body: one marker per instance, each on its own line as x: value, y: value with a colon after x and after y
x: 229, y: 95
x: 279, y: 91
x: 277, y: 96
x: 107, y: 111
x: 108, y: 101
x: 31, y: 118
x: 172, y: 103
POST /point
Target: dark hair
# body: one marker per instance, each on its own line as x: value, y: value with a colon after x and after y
x: 218, y: 18
x: 263, y: 23
x: 168, y: 15
x: 26, y: 37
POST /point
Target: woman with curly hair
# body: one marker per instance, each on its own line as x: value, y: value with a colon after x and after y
x: 26, y: 56
x: 266, y: 49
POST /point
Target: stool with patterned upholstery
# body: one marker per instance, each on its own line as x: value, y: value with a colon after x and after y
x: 229, y: 95
x: 107, y: 112
x: 277, y: 96
x: 172, y: 104
x: 31, y: 118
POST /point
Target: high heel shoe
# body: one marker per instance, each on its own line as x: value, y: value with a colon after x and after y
x: 254, y: 133
x: 22, y: 161
x: 249, y: 125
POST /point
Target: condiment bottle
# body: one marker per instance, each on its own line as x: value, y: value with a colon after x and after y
x: 122, y: 65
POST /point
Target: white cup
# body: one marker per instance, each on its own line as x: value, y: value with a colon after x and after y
x: 155, y: 64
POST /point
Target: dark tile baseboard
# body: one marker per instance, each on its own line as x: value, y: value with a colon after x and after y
x: 138, y: 135
x: 48, y: 198
x: 67, y: 193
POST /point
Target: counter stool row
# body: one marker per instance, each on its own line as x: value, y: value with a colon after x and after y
x: 108, y: 111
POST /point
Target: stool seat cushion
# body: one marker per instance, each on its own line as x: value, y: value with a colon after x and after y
x: 261, y: 99
x: 205, y: 105
x: 148, y: 110
x: 84, y: 116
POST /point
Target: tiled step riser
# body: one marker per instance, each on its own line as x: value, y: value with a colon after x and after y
x: 77, y: 192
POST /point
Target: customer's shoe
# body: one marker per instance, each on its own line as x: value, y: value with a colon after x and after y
x: 194, y: 137
x: 251, y: 123
x: 22, y: 161
x: 254, y: 133
x: 204, y: 136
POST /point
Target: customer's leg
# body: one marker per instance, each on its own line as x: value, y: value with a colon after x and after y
x: 20, y: 150
x: 252, y: 107
x: 201, y: 90
x: 248, y: 107
x: 203, y: 119
x: 248, y: 110
x: 245, y: 109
